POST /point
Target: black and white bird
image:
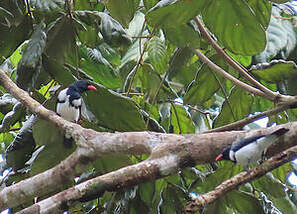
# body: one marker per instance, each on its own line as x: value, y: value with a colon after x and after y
x: 251, y: 149
x: 69, y: 100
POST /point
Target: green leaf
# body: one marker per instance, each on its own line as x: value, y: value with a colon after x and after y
x: 266, y: 182
x: 157, y: 54
x: 178, y: 13
x: 88, y: 17
x: 178, y: 60
x: 152, y: 81
x: 182, y: 35
x: 113, y: 33
x: 114, y: 111
x: 29, y: 66
x: 207, y: 84
x: 22, y: 147
x: 244, y: 60
x: 57, y: 71
x: 146, y: 192
x: 181, y: 120
x: 244, y: 202
x: 149, y: 3
x: 111, y: 163
x: 99, y: 68
x: 124, y: 14
x: 12, y: 37
x: 235, y: 25
x: 237, y: 106
x: 262, y: 10
x: 56, y: 149
x: 89, y: 5
x: 275, y: 71
x: 61, y: 38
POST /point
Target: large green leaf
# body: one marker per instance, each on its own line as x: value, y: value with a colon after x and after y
x: 21, y: 148
x: 181, y: 121
x: 206, y: 85
x: 182, y: 35
x: 153, y: 86
x: 61, y: 38
x: 149, y: 3
x: 237, y: 106
x: 113, y: 32
x: 89, y: 5
x: 244, y: 202
x: 236, y: 26
x: 176, y: 14
x: 99, y: 68
x: 275, y: 71
x: 13, y: 36
x: 262, y: 10
x: 114, y: 111
x: 124, y: 14
x: 29, y: 66
x: 56, y: 149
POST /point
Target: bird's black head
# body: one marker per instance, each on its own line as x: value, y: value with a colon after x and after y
x: 224, y: 155
x: 82, y: 86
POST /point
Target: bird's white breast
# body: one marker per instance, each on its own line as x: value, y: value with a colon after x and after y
x: 249, y: 154
x: 65, y: 110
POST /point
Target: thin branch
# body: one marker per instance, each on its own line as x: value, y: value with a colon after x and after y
x: 189, y: 106
x: 225, y: 94
x: 269, y: 94
x: 241, y: 123
x: 240, y: 179
x: 134, y: 71
x: 237, y: 82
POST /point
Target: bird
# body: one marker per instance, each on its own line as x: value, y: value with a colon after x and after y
x: 69, y: 100
x: 250, y: 150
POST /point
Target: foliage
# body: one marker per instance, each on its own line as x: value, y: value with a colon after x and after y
x: 139, y: 54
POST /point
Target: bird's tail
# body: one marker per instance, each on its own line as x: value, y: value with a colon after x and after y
x: 272, y: 137
x: 279, y: 132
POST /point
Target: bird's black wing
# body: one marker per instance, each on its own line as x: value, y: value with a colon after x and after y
x: 244, y: 142
x: 74, y: 96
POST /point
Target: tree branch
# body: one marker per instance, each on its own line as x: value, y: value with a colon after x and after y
x: 270, y: 94
x: 241, y: 123
x: 240, y: 179
x: 237, y: 82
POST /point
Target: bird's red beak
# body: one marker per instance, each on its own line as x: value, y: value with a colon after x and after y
x: 93, y: 88
x: 220, y: 157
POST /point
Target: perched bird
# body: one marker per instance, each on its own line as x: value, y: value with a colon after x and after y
x: 250, y: 150
x: 69, y: 100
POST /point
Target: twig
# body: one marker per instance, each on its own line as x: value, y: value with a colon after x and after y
x: 138, y: 63
x: 240, y: 179
x: 241, y: 123
x: 269, y: 94
x: 225, y: 94
x: 237, y: 82
x: 191, y: 107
